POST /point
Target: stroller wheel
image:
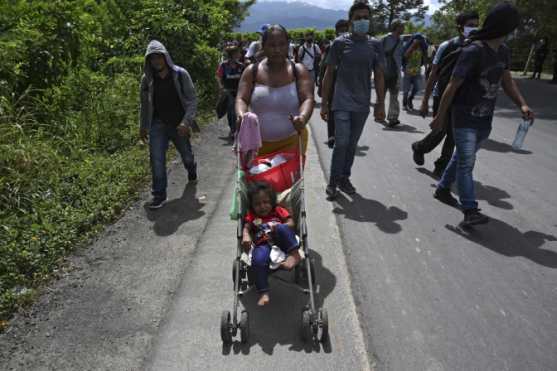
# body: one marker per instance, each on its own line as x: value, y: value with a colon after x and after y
x: 244, y: 327
x: 324, y: 320
x: 225, y: 323
x: 307, y: 333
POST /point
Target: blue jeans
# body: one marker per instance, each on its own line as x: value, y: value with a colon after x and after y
x: 468, y: 141
x: 285, y: 238
x: 231, y: 111
x: 159, y: 136
x: 348, y: 130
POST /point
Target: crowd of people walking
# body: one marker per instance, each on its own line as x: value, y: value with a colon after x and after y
x: 276, y: 80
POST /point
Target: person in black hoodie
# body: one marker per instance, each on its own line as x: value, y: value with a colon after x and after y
x: 168, y: 107
x: 470, y: 98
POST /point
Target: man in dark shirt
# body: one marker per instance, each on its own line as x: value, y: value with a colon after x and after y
x: 168, y: 108
x: 466, y: 22
x: 471, y: 93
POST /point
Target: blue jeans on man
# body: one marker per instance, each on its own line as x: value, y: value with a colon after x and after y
x: 159, y: 137
x: 461, y: 166
x: 285, y: 238
x: 348, y: 130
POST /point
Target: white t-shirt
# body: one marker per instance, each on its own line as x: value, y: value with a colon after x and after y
x: 309, y: 55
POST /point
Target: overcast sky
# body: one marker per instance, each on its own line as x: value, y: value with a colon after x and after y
x: 345, y: 4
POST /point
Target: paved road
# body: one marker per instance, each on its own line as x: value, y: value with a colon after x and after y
x: 431, y: 299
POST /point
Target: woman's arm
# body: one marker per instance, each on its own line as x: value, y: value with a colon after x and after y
x: 245, y: 88
x: 305, y: 88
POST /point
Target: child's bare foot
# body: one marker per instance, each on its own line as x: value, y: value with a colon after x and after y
x: 263, y: 299
x: 291, y: 261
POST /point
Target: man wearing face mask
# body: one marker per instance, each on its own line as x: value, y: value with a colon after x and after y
x: 168, y: 107
x: 354, y: 56
x: 309, y: 55
x: 481, y: 68
x: 467, y: 22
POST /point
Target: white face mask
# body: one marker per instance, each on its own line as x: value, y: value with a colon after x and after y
x: 468, y: 30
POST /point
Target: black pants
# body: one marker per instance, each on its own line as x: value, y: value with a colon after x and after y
x: 433, y: 139
x: 538, y: 67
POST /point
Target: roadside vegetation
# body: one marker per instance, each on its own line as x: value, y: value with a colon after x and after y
x: 70, y: 160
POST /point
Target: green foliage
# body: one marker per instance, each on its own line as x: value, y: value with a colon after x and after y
x: 69, y: 85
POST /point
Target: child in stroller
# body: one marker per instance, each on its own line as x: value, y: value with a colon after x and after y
x: 268, y: 237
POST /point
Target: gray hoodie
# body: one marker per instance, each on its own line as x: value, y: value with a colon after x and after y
x: 182, y: 82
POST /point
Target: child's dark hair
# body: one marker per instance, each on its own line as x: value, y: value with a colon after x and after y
x: 257, y: 187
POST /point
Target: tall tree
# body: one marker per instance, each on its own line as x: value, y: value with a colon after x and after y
x: 388, y: 10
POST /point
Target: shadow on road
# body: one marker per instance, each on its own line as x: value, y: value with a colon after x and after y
x: 365, y: 210
x: 495, y: 146
x: 507, y: 240
x: 361, y: 151
x: 280, y: 322
x: 492, y: 195
x: 403, y: 128
x: 176, y: 212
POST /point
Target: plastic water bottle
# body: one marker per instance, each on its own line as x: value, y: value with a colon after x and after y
x: 521, y: 134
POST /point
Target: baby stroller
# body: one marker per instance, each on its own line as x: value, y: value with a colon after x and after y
x: 314, y: 321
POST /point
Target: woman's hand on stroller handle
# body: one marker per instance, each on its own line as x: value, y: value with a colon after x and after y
x: 298, y: 121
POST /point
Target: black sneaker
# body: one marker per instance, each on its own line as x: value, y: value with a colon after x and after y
x: 157, y: 202
x: 410, y: 105
x: 347, y: 187
x: 474, y: 217
x: 192, y: 173
x: 393, y: 123
x: 417, y: 156
x: 332, y: 191
x: 444, y: 195
x: 331, y: 142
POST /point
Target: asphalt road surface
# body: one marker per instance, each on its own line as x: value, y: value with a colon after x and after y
x: 432, y: 299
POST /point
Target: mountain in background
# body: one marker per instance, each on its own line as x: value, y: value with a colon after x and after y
x: 294, y: 15
x: 290, y: 15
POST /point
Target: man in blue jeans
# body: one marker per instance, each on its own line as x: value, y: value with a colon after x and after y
x: 354, y: 56
x: 481, y: 67
x: 168, y: 108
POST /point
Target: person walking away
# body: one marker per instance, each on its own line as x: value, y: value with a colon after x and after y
x: 228, y: 78
x: 466, y: 22
x: 354, y: 56
x: 470, y: 97
x: 392, y: 45
x: 341, y: 27
x: 309, y: 55
x: 255, y: 50
x: 168, y: 105
x: 540, y: 54
x: 414, y: 56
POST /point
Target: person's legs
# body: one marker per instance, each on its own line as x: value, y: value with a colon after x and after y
x: 231, y: 114
x: 358, y: 121
x: 446, y: 151
x: 394, y: 106
x: 183, y: 146
x: 406, y: 86
x: 430, y: 141
x: 260, y: 260
x: 285, y: 238
x: 342, y: 140
x: 158, y: 145
x: 466, y: 140
x: 331, y: 130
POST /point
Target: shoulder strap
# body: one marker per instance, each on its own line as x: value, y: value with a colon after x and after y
x: 254, y: 76
x: 295, y: 71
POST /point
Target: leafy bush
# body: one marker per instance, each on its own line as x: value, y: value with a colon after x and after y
x: 69, y: 84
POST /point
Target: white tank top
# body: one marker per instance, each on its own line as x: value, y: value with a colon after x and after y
x: 273, y: 106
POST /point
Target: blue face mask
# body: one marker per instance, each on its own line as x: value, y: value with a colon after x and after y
x: 360, y: 26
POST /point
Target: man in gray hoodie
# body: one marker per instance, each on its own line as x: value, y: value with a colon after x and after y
x: 168, y: 108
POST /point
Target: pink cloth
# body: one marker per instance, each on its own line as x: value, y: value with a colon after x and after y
x: 249, y: 137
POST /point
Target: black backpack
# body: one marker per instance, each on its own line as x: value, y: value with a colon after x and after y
x: 447, y: 64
